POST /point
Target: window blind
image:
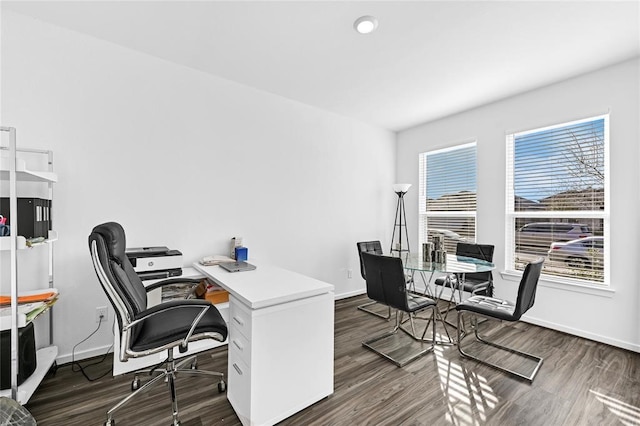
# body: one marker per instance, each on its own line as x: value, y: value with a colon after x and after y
x: 448, y: 194
x: 556, y: 194
x: 560, y: 168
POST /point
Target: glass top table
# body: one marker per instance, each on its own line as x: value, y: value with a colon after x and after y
x: 454, y: 265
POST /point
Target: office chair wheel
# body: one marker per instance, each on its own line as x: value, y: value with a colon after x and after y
x: 135, y: 384
x: 222, y: 386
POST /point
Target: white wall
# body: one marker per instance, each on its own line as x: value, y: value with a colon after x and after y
x: 186, y: 160
x: 611, y: 318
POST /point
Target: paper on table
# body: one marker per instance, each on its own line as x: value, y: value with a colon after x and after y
x: 216, y: 259
x: 24, y: 311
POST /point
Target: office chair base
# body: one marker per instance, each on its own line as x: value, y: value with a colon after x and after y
x: 363, y: 308
x: 462, y: 334
x: 169, y: 374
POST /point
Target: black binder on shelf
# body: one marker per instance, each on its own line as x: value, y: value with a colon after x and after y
x: 34, y: 216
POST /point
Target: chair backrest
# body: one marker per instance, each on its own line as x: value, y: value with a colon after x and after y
x: 477, y: 251
x: 368, y: 247
x: 527, y: 287
x: 385, y: 280
x: 119, y: 281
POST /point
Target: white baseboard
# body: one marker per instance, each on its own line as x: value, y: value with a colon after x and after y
x: 346, y: 295
x: 581, y: 333
x: 350, y: 294
x: 537, y: 321
x: 80, y: 355
x: 90, y: 353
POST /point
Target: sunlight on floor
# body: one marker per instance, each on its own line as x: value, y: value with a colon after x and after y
x: 469, y: 397
x: 627, y: 414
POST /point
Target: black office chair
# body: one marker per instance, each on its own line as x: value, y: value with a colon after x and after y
x: 149, y: 330
x: 503, y: 310
x: 374, y: 247
x: 386, y: 284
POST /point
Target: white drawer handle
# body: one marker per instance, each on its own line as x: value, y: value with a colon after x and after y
x: 238, y: 345
x: 237, y: 368
x: 238, y: 320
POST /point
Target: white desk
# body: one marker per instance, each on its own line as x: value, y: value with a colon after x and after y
x: 280, y: 341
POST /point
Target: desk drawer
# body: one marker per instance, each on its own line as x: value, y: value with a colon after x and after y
x: 239, y: 347
x: 239, y: 391
x: 240, y: 319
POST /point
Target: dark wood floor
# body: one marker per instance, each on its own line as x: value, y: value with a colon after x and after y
x: 581, y: 383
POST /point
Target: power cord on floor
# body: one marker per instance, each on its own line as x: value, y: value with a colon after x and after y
x: 80, y: 368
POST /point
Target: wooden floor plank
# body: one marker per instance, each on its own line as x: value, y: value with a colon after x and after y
x: 581, y: 382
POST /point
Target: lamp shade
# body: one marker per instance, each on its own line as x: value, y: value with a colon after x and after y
x: 401, y: 187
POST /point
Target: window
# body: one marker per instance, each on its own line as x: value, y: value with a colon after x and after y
x: 448, y: 194
x: 557, y: 180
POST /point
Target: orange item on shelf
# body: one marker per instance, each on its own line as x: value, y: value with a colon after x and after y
x: 39, y: 297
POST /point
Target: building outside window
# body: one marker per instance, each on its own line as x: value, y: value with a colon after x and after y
x: 557, y: 200
x: 447, y: 199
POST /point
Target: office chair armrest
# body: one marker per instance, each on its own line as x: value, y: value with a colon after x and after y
x: 170, y: 281
x: 171, y: 304
x: 203, y: 305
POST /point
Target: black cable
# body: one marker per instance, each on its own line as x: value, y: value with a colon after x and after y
x: 80, y: 367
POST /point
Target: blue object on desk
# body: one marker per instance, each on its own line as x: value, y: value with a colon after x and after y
x: 242, y: 253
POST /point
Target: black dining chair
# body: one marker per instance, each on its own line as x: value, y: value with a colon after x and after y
x: 386, y: 284
x: 374, y: 247
x: 149, y: 330
x: 502, y: 310
x: 473, y: 282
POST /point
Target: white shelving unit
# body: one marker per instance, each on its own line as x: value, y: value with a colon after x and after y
x: 14, y: 170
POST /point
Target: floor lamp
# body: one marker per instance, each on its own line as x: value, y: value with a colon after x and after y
x: 401, y: 243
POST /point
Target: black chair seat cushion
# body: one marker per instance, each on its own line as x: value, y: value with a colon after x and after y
x: 172, y: 323
x: 416, y: 302
x: 451, y: 282
x: 470, y: 284
x: 490, y: 306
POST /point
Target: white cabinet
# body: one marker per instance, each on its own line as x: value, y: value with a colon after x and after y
x: 280, y: 341
x: 18, y: 175
x: 280, y: 358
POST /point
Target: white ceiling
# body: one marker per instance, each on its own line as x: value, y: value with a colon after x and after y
x: 427, y: 59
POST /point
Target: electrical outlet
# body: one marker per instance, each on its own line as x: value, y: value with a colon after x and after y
x: 103, y: 312
x: 349, y: 273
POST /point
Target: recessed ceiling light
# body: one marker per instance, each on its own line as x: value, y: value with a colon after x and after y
x: 365, y: 24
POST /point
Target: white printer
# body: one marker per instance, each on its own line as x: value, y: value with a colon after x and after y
x: 152, y: 263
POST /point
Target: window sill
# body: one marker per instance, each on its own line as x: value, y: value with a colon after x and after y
x: 563, y: 284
